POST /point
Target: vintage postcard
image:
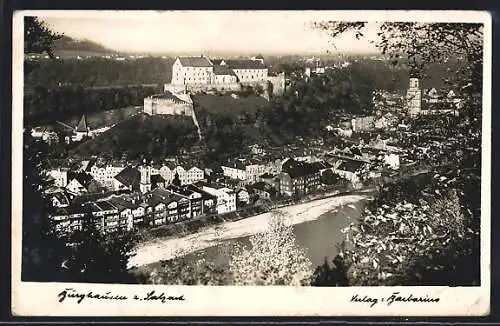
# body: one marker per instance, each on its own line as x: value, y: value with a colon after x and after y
x: 251, y: 163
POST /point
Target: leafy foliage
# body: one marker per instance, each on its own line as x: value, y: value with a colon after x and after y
x: 425, y: 241
x: 95, y: 257
x: 46, y: 256
x: 423, y: 233
x: 421, y: 44
x: 41, y: 247
x: 37, y: 37
x: 59, y: 103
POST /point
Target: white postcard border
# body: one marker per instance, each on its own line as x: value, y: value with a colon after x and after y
x: 41, y: 299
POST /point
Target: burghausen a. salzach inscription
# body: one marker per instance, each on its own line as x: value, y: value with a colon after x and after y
x: 395, y: 297
x: 152, y: 296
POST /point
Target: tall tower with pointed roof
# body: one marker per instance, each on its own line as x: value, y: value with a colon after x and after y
x: 414, y: 94
x: 82, y: 125
x: 145, y: 182
x: 81, y: 129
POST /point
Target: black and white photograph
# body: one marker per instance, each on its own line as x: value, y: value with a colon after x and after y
x: 193, y: 162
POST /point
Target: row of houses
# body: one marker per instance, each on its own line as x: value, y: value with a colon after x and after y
x: 246, y: 170
x: 94, y: 177
x: 160, y: 206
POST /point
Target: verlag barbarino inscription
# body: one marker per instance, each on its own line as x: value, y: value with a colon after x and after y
x: 394, y: 297
x: 72, y: 293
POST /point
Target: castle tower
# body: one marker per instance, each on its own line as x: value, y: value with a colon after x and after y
x: 145, y: 184
x: 414, y: 95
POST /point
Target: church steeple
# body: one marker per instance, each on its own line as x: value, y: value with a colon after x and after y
x: 414, y: 93
x: 82, y: 125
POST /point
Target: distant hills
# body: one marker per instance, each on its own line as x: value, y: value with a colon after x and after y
x: 69, y: 47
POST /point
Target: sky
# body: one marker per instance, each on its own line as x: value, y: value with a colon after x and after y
x: 245, y: 32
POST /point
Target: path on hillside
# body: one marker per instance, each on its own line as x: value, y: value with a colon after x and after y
x: 195, y: 120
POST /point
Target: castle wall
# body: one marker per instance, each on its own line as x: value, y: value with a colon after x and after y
x: 251, y: 75
x: 166, y: 106
x: 190, y: 75
x: 278, y: 83
x: 224, y: 79
x: 202, y: 87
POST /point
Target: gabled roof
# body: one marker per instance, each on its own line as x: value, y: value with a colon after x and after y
x: 204, y: 194
x: 129, y: 176
x: 298, y: 169
x: 195, y: 62
x: 82, y: 125
x: 194, y: 168
x: 105, y: 205
x: 120, y: 202
x: 356, y: 151
x: 83, y: 178
x: 170, y: 165
x: 321, y: 165
x: 155, y: 200
x: 169, y: 96
x: 182, y: 190
x: 156, y: 178
x: 350, y: 166
x: 414, y: 73
x: 61, y: 197
x: 223, y: 70
x: 267, y: 175
x: 161, y: 192
x: 259, y: 186
x: 244, y: 64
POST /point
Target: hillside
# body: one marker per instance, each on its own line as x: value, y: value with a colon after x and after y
x: 228, y: 105
x: 99, y: 72
x: 69, y: 47
x: 100, y: 119
x: 143, y: 136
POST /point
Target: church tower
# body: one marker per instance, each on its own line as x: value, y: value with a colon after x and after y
x: 145, y: 184
x: 414, y: 95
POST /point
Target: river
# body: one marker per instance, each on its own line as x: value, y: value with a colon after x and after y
x: 319, y: 237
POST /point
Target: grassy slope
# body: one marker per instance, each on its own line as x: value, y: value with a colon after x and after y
x: 228, y: 105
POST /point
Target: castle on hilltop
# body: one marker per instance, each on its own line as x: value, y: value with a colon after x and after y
x: 204, y: 74
x: 195, y: 74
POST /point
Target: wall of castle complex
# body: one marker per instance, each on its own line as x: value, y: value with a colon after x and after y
x: 191, y: 75
x: 202, y: 87
x: 278, y: 83
x: 251, y: 75
x: 166, y: 106
x: 224, y: 79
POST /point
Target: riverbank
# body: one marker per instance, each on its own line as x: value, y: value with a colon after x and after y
x: 164, y: 249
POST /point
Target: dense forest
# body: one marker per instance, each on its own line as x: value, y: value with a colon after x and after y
x: 45, y: 105
x: 101, y: 72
